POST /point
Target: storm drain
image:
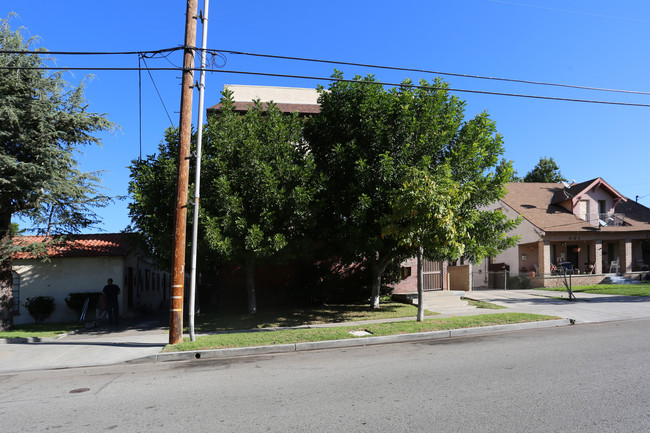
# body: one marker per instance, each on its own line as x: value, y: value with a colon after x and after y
x: 360, y: 333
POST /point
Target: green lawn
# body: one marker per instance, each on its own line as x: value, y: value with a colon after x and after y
x: 40, y: 330
x: 262, y: 338
x: 609, y: 289
x: 287, y: 317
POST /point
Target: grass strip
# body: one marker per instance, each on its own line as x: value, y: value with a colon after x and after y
x: 290, y: 336
x: 483, y: 304
x: 40, y: 330
x: 288, y: 317
x: 608, y: 289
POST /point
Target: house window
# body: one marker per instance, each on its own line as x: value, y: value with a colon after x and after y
x: 16, y: 292
x: 583, y: 210
x: 405, y: 271
x: 602, y: 207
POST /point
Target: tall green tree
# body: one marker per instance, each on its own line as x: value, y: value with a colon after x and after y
x: 153, y: 191
x: 256, y: 190
x: 43, y: 123
x: 546, y: 171
x: 402, y: 169
x: 259, y: 185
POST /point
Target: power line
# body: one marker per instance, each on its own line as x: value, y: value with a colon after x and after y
x: 306, y: 77
x: 140, y: 105
x: 334, y: 62
x: 158, y: 92
x: 451, y: 74
x: 91, y: 53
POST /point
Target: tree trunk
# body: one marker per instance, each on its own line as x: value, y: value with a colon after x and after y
x: 420, y: 287
x: 377, y: 268
x: 376, y: 286
x: 250, y: 286
x: 6, y: 279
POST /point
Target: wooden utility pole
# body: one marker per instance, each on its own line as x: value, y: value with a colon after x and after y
x: 185, y: 132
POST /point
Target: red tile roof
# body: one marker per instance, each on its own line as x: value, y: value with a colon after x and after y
x: 95, y: 245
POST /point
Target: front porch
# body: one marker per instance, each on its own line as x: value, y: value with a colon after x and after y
x: 557, y: 280
x: 587, y: 256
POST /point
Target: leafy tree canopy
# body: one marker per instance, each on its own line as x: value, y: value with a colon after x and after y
x: 546, y: 171
x: 260, y: 184
x: 403, y: 169
x: 153, y: 192
x: 43, y: 122
x: 256, y: 192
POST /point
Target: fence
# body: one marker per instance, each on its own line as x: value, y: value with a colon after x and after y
x: 503, y: 280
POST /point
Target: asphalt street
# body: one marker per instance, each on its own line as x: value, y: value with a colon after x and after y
x: 587, y: 378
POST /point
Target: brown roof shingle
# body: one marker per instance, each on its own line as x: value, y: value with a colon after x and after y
x: 535, y: 202
x: 302, y: 109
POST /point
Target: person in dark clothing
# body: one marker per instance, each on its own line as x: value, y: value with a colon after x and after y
x: 111, y: 291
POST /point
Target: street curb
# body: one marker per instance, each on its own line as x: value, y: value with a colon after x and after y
x: 333, y: 344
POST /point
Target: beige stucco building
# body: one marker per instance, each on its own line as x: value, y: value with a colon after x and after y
x: 84, y: 265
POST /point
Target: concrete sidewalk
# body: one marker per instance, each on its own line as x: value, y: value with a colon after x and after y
x: 143, y: 340
x: 586, y: 308
x: 98, y: 346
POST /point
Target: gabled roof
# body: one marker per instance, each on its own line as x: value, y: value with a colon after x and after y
x: 94, y: 245
x: 537, y: 203
x: 576, y: 191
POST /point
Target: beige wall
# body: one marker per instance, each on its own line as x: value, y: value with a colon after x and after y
x: 288, y: 95
x: 61, y: 276
x: 527, y: 235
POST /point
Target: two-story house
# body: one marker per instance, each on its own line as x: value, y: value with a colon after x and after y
x: 588, y: 229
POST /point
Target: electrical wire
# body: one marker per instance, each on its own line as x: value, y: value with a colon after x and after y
x: 426, y: 71
x: 336, y: 62
x: 158, y: 92
x: 218, y: 52
x: 306, y: 77
x: 92, y: 53
x: 140, y: 103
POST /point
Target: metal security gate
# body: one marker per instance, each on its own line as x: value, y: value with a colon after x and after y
x: 431, y: 275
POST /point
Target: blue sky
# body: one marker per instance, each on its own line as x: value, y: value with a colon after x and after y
x: 590, y: 43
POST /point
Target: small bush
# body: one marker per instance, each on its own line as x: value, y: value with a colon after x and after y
x: 75, y: 301
x: 40, y: 307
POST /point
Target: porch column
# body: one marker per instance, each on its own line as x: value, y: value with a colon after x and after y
x: 598, y: 256
x: 544, y: 257
x: 626, y: 256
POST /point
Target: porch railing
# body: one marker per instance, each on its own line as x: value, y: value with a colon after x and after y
x: 606, y: 219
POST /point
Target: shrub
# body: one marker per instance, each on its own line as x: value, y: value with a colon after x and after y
x: 40, y: 307
x: 75, y: 301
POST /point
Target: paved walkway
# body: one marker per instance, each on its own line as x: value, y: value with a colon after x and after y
x: 105, y: 345
x: 586, y: 308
